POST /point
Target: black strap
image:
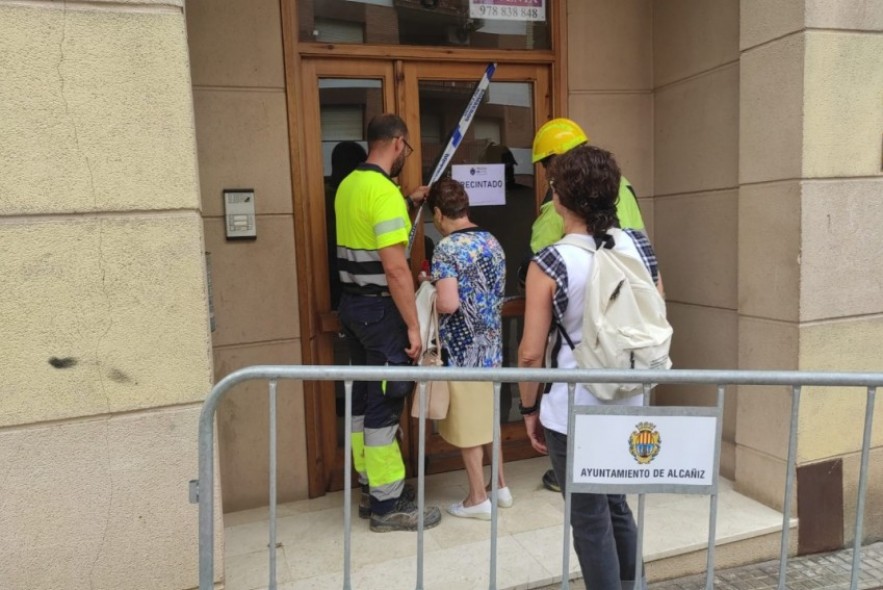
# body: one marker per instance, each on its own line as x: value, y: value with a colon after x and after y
x: 553, y: 358
x: 470, y: 230
x: 565, y: 335
x: 605, y: 241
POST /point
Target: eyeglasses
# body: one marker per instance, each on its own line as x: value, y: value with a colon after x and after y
x: 408, y: 149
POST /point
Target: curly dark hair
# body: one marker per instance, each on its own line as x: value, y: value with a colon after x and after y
x: 450, y: 197
x: 586, y: 180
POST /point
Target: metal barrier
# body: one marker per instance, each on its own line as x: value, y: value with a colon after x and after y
x: 201, y: 490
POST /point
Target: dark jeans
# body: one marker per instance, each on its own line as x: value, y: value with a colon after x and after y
x: 604, y: 531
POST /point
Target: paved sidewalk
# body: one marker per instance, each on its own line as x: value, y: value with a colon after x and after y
x: 825, y: 571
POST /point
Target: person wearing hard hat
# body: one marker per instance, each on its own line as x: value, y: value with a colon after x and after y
x: 556, y: 137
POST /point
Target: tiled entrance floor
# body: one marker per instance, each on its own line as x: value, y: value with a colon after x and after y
x: 457, y: 552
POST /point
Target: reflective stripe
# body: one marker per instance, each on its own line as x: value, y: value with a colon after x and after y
x: 355, y: 255
x: 381, y: 437
x: 365, y: 280
x: 359, y: 448
x: 362, y: 269
x: 359, y: 268
x: 388, y: 491
x: 384, y: 227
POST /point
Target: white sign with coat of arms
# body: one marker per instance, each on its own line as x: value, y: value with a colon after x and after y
x: 645, y: 449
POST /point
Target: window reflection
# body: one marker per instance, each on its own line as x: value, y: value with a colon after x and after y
x: 345, y: 107
x: 420, y: 22
x: 501, y: 133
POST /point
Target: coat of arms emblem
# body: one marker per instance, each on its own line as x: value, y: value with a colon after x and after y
x: 644, y: 442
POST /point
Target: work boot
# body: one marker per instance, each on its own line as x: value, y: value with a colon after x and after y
x: 408, y: 492
x: 404, y: 517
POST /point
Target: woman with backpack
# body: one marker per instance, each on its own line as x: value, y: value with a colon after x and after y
x: 585, y: 183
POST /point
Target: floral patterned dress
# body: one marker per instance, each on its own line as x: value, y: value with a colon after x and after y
x: 472, y: 336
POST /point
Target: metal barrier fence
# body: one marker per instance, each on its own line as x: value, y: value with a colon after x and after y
x: 201, y: 489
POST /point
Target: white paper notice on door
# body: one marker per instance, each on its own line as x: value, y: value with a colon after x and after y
x: 484, y: 183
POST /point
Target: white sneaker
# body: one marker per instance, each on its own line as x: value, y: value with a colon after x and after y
x: 480, y: 511
x: 504, y: 498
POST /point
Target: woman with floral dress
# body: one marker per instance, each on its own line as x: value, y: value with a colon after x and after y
x: 469, y: 271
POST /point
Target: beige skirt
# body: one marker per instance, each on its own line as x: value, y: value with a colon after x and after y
x: 470, y: 418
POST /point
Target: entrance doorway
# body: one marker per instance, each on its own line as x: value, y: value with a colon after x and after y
x: 339, y: 97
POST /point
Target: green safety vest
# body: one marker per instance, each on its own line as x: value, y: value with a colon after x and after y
x: 549, y: 226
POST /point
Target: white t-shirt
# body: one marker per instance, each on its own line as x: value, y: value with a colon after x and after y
x: 570, y: 267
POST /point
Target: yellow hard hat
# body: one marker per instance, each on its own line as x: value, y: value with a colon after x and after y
x: 556, y: 137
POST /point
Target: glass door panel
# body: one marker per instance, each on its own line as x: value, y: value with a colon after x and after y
x: 345, y: 107
x: 437, y: 23
x: 341, y: 98
x: 501, y: 133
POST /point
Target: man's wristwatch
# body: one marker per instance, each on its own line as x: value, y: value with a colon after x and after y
x: 526, y: 411
x: 410, y: 202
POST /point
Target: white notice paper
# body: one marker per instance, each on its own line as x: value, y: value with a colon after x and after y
x: 484, y: 183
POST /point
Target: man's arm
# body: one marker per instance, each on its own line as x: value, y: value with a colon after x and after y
x: 401, y: 287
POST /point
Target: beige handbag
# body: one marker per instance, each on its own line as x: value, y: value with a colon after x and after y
x: 438, y: 396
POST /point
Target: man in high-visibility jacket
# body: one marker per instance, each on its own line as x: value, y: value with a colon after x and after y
x: 554, y: 138
x: 379, y: 318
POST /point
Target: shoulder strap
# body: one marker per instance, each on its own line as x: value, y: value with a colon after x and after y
x: 603, y: 241
x: 434, y: 328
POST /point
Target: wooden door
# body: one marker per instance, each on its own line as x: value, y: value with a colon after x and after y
x: 431, y: 99
x: 339, y: 97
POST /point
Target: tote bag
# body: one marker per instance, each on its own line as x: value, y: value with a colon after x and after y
x: 438, y: 395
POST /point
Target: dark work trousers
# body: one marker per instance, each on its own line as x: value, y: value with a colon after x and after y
x: 604, y: 531
x: 377, y: 335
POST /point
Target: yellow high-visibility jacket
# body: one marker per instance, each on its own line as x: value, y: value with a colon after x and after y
x: 549, y: 226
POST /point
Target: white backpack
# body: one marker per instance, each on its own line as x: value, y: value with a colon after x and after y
x: 624, y: 324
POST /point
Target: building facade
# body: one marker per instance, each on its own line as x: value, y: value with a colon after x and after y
x: 750, y: 129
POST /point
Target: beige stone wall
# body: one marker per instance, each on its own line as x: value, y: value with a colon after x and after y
x: 105, y: 334
x: 695, y: 164
x: 610, y: 84
x: 242, y: 137
x: 810, y: 176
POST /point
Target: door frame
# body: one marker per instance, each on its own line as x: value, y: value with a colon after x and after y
x: 304, y: 62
